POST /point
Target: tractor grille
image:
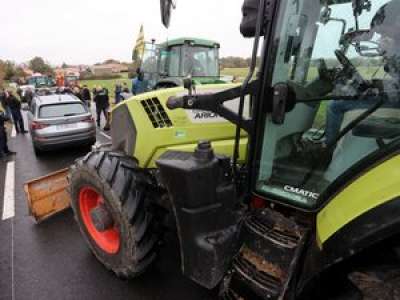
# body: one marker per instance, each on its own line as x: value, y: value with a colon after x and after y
x: 156, y: 113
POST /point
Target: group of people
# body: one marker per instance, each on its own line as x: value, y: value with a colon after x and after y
x: 10, y: 111
x: 4, y: 151
x: 12, y: 107
x: 120, y: 89
x: 100, y: 98
x: 82, y: 93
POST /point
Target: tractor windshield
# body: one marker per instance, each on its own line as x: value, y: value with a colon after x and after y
x: 182, y: 60
x: 200, y: 61
x: 38, y: 81
x: 343, y: 63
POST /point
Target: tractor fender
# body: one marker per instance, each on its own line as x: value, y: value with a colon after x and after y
x: 358, y: 217
x: 373, y: 227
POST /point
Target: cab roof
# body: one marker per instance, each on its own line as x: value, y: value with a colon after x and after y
x: 195, y: 41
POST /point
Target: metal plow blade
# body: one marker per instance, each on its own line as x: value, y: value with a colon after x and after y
x: 47, y: 195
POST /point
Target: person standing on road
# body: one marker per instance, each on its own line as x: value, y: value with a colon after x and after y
x: 28, y: 96
x: 125, y: 88
x: 86, y: 97
x: 77, y: 93
x: 118, y: 91
x: 4, y: 151
x: 102, y: 104
x: 138, y: 85
x: 15, y: 106
x: 7, y: 111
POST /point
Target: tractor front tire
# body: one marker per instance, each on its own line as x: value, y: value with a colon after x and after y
x: 111, y: 184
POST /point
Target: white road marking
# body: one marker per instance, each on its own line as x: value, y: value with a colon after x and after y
x: 12, y: 262
x: 9, y: 192
x: 13, y: 132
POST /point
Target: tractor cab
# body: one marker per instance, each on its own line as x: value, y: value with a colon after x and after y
x: 39, y: 81
x: 167, y: 64
x: 339, y: 62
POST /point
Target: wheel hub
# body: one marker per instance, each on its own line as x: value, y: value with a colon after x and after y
x: 101, y: 218
x: 98, y: 220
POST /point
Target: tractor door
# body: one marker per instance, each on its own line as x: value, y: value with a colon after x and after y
x: 340, y: 62
x: 150, y: 64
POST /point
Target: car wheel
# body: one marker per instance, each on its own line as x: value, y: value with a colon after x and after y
x: 38, y: 152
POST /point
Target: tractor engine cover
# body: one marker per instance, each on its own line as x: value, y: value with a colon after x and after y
x: 206, y: 210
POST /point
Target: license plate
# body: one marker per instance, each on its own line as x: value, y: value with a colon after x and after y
x: 66, y: 126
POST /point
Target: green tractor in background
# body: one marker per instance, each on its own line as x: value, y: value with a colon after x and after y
x: 165, y: 65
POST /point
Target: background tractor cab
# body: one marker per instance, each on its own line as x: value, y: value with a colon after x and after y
x: 323, y: 157
x: 166, y: 65
x: 39, y: 81
x: 35, y: 82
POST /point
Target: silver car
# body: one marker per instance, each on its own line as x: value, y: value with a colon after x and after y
x: 56, y: 121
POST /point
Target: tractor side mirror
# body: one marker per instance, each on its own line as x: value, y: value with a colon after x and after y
x: 166, y: 9
x: 363, y: 42
x: 354, y: 36
x: 283, y: 101
x: 250, y: 10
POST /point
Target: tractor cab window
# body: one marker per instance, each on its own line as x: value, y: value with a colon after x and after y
x: 39, y: 81
x: 343, y: 63
x: 200, y: 61
x: 170, y: 61
x: 149, y: 65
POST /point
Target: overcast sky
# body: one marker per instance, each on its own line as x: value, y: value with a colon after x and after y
x: 90, y: 31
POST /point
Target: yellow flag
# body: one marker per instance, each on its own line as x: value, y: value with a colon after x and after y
x: 138, y: 50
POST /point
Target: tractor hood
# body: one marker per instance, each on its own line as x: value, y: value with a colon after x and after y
x: 144, y: 127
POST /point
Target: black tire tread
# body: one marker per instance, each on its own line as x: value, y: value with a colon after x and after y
x: 132, y: 203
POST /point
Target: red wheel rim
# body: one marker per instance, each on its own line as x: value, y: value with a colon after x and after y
x: 109, y: 240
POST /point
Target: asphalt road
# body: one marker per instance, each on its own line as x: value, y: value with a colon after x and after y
x: 51, y: 260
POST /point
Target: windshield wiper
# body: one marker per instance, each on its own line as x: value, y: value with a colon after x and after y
x: 70, y: 115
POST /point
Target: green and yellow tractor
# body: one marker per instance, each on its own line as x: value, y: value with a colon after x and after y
x: 313, y: 212
x: 167, y: 64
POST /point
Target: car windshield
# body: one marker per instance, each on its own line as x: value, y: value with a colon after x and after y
x: 345, y: 74
x: 60, y: 110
